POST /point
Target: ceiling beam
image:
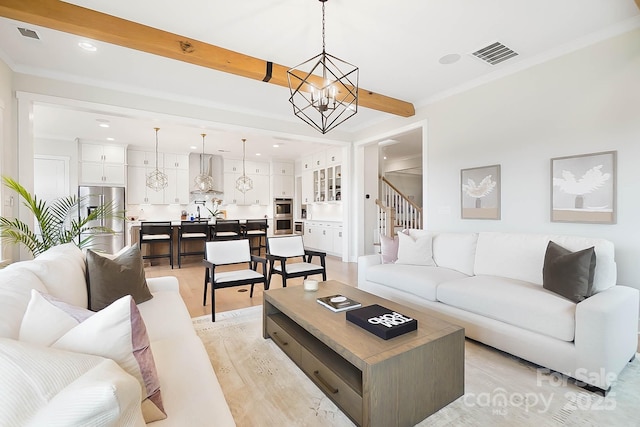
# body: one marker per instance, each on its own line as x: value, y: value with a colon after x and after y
x: 89, y: 23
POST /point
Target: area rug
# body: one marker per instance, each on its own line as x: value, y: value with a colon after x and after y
x: 263, y: 387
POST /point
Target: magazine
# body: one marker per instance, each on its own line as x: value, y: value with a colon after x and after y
x: 338, y: 303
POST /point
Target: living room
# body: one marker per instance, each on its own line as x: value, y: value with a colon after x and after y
x: 580, y: 98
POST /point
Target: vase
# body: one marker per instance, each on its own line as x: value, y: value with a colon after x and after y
x: 478, y: 203
x: 579, y: 203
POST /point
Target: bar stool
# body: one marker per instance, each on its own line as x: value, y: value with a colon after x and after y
x: 227, y: 229
x: 154, y: 233
x: 256, y: 228
x: 191, y: 231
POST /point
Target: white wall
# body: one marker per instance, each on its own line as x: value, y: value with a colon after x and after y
x: 587, y: 101
x: 8, y: 155
x: 409, y: 184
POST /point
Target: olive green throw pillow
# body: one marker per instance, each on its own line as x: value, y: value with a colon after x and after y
x: 567, y: 273
x: 110, y: 279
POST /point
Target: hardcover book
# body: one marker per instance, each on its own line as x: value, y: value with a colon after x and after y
x: 338, y: 303
x: 381, y: 321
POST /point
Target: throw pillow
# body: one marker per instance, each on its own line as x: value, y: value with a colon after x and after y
x: 47, y: 319
x: 415, y: 251
x: 567, y: 273
x: 117, y: 332
x: 389, y: 249
x: 110, y: 279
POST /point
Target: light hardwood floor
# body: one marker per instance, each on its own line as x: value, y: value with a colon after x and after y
x: 191, y: 278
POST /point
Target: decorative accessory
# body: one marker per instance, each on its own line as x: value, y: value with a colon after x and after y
x: 244, y: 183
x: 203, y: 181
x: 324, y: 102
x: 157, y: 180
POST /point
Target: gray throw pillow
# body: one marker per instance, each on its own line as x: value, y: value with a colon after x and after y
x: 110, y: 279
x: 567, y: 273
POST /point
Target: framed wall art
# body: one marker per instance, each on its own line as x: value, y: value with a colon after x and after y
x: 480, y: 192
x: 583, y: 188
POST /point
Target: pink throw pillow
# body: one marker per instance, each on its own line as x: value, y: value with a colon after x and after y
x: 389, y: 249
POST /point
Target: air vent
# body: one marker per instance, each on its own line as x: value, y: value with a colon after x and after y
x: 495, y: 53
x: 29, y: 33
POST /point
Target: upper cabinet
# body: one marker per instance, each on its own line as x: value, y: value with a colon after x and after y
x: 176, y: 161
x: 102, y: 164
x: 176, y: 166
x: 282, y: 179
x: 259, y: 174
x: 322, y: 176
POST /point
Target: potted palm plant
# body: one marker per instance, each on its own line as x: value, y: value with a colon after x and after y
x: 57, y: 222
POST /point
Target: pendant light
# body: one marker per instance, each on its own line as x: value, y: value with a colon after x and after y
x: 204, y: 182
x: 157, y: 180
x: 244, y: 183
x: 324, y: 89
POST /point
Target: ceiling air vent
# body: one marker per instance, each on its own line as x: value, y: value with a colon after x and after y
x: 29, y: 33
x: 495, y: 53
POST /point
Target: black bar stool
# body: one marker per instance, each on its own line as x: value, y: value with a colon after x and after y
x: 227, y: 229
x: 154, y: 233
x: 256, y: 228
x: 191, y: 231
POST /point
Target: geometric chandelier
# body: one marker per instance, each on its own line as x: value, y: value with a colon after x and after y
x: 204, y: 183
x: 157, y: 180
x: 324, y: 89
x: 244, y: 183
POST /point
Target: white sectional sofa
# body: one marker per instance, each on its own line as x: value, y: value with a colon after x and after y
x: 48, y: 386
x: 491, y: 284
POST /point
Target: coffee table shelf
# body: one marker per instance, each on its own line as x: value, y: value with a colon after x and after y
x: 396, y: 382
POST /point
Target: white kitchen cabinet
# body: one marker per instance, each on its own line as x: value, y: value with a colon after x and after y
x: 232, y: 166
x: 176, y: 161
x: 102, y: 164
x: 334, y: 156
x: 324, y: 236
x: 282, y: 186
x: 307, y: 163
x: 178, y: 189
x: 319, y: 159
x: 282, y: 179
x: 307, y: 187
x: 145, y: 159
x: 137, y: 191
x: 103, y: 153
x: 256, y: 168
x: 282, y: 168
x: 231, y: 195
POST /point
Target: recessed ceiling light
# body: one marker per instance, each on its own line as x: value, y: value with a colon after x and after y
x: 449, y: 59
x: 193, y: 147
x: 111, y: 139
x: 89, y: 47
x: 104, y: 125
x: 258, y: 154
x: 385, y: 157
x: 276, y: 145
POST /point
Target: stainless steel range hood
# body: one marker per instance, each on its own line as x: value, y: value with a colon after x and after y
x: 212, y: 167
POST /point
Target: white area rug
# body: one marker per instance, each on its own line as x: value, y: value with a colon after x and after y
x: 265, y: 388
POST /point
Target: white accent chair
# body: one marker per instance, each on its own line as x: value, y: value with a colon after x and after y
x: 230, y: 252
x: 282, y: 249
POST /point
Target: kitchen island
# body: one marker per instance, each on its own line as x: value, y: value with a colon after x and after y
x: 133, y: 232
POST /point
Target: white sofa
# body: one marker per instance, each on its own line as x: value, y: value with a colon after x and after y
x: 491, y: 284
x: 55, y: 387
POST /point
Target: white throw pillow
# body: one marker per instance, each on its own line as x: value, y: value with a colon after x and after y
x: 45, y: 386
x: 64, y: 279
x: 47, y: 319
x: 415, y: 251
x: 116, y: 332
x: 15, y: 291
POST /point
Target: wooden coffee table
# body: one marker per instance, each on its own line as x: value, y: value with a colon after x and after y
x: 397, y: 382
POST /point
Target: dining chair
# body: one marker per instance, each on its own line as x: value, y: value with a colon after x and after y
x: 281, y: 251
x: 231, y: 252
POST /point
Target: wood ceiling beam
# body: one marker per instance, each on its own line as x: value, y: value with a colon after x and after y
x: 95, y: 25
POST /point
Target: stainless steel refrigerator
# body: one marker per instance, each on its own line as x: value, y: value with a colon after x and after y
x: 93, y: 197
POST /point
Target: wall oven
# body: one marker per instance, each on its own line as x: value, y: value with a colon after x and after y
x: 282, y: 216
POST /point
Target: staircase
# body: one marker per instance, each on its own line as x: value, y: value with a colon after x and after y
x: 395, y: 210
